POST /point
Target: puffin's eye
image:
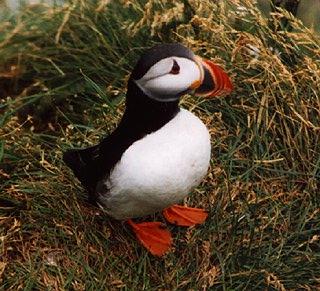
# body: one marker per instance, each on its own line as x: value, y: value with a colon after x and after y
x: 175, y: 68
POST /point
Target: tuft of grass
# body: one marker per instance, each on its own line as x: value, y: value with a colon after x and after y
x: 63, y: 73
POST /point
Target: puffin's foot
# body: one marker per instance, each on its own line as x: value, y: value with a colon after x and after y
x: 184, y: 216
x: 153, y: 235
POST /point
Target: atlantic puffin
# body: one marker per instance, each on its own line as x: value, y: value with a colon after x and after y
x: 159, y: 152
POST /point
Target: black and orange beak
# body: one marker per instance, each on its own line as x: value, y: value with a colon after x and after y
x: 214, y: 80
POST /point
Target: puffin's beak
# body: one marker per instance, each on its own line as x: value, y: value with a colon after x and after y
x: 214, y: 81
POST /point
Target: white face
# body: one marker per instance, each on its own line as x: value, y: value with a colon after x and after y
x: 170, y: 78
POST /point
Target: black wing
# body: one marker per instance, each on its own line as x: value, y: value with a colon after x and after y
x: 93, y: 164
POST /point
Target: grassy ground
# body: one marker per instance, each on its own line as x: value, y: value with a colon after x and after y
x: 62, y: 84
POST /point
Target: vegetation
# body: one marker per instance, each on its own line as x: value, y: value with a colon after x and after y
x: 63, y: 73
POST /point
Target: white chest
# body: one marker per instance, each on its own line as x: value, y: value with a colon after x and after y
x: 160, y: 169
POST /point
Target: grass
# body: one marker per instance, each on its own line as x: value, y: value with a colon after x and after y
x: 62, y: 76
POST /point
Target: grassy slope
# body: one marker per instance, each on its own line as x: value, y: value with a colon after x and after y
x: 65, y: 71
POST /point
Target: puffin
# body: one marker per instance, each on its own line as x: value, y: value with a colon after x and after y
x: 158, y: 152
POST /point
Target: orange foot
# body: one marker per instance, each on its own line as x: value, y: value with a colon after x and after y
x: 153, y: 235
x: 185, y: 216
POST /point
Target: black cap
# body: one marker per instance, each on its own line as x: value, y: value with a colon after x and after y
x: 157, y: 53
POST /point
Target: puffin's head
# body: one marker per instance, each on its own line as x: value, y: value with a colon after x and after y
x: 168, y: 71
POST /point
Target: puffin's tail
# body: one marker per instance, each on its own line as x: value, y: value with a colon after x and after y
x: 81, y: 163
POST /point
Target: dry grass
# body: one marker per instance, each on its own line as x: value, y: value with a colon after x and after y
x: 62, y: 77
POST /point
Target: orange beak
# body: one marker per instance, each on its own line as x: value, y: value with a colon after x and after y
x: 214, y: 80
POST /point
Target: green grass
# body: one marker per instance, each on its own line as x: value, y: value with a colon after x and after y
x: 63, y: 73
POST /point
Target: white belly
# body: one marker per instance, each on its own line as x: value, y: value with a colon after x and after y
x: 160, y: 169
